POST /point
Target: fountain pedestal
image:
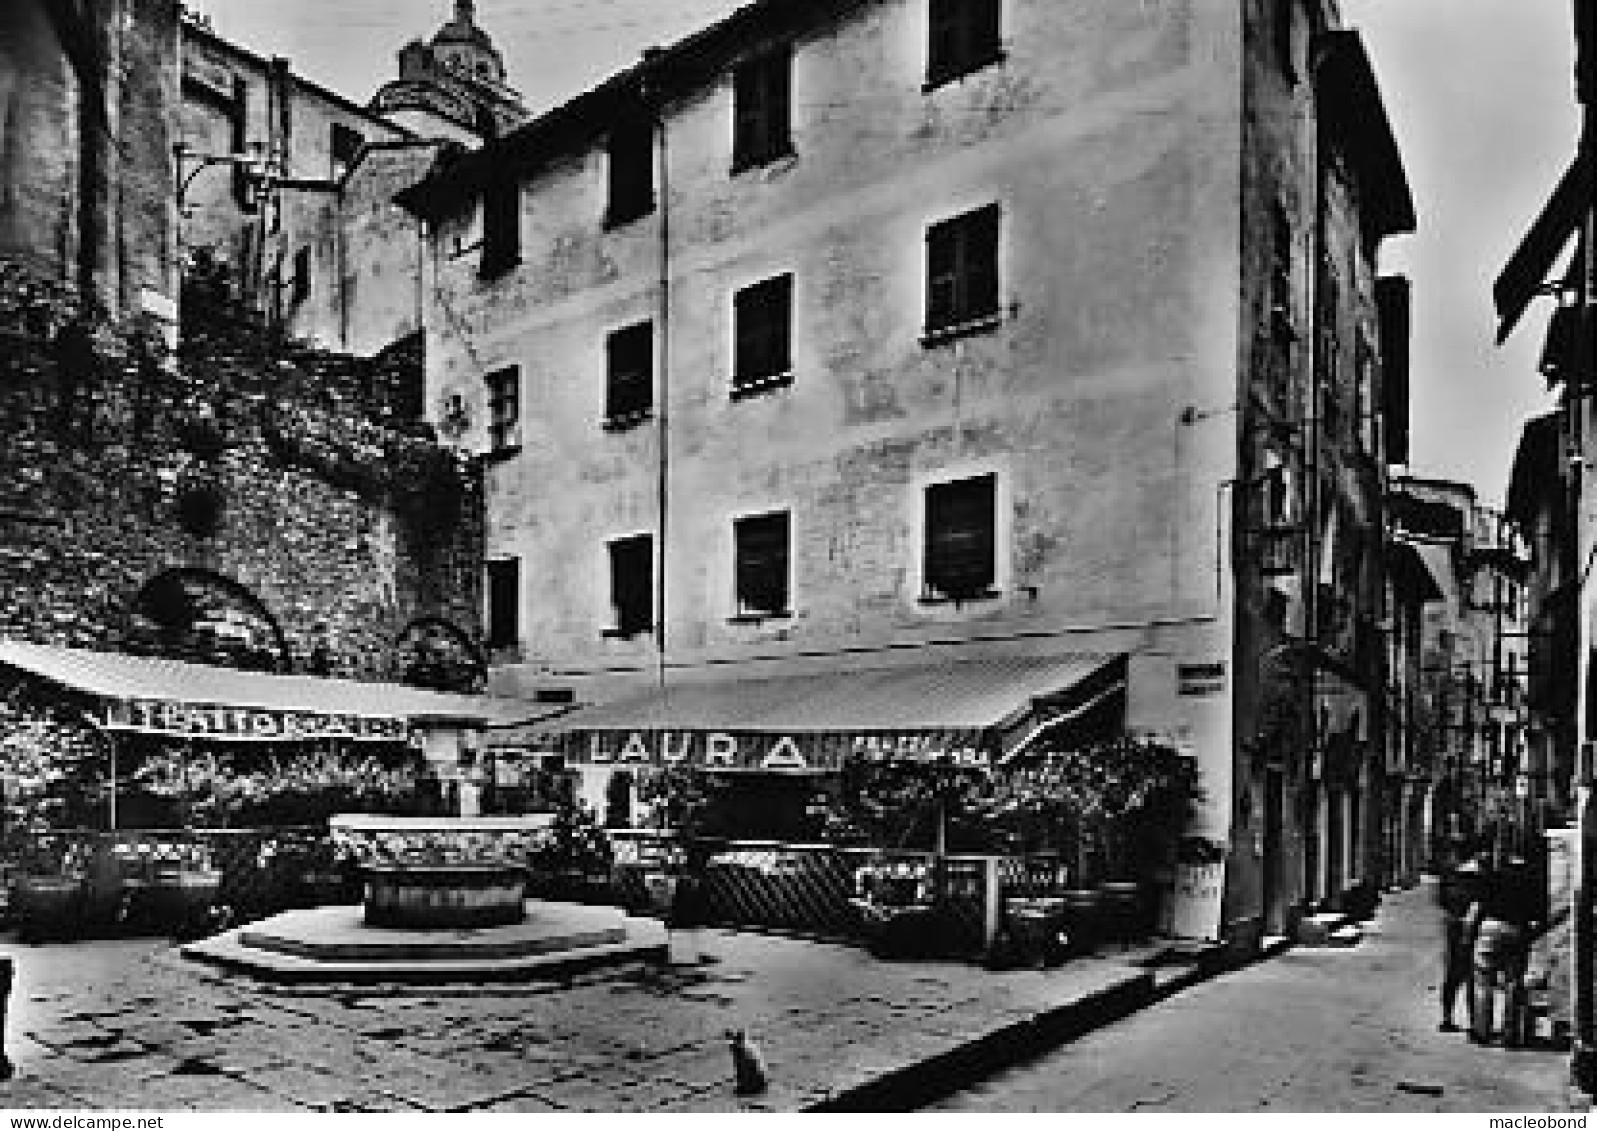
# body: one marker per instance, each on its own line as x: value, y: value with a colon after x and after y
x: 443, y: 902
x: 444, y: 896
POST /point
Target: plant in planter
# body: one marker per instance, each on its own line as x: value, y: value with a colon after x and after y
x: 573, y: 857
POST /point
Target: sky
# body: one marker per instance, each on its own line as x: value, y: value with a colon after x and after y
x: 1479, y: 94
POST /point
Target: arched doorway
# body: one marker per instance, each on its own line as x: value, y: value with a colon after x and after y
x: 434, y: 653
x: 202, y: 617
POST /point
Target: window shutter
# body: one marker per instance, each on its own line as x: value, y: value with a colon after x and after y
x: 981, y: 264
x: 942, y: 277
x: 984, y: 29
x: 749, y: 110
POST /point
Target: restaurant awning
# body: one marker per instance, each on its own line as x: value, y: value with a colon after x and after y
x: 968, y: 712
x: 162, y: 696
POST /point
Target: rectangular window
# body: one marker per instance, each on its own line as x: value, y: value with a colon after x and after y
x: 501, y: 227
x: 630, y: 155
x: 632, y: 585
x: 763, y: 326
x: 344, y: 144
x: 962, y: 275
x: 760, y: 548
x: 1281, y: 320
x: 629, y: 376
x: 504, y: 409
x: 301, y: 287
x: 964, y: 38
x: 504, y: 603
x: 960, y: 556
x: 1281, y: 32
x: 761, y: 110
x: 238, y: 117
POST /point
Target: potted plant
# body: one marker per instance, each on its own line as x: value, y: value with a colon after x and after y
x: 573, y: 858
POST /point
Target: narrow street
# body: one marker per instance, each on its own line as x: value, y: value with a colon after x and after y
x: 1312, y: 1030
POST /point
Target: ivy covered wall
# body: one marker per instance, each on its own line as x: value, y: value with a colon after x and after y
x: 308, y: 514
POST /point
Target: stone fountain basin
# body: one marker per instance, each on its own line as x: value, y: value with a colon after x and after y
x: 444, y: 896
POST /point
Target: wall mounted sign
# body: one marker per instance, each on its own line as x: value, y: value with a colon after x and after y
x: 1200, y: 679
x: 772, y: 752
x: 244, y: 724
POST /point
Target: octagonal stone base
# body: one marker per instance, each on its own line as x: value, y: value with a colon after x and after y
x: 335, y: 944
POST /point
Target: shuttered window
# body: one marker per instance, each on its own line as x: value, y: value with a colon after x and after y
x: 763, y: 318
x: 504, y: 603
x: 501, y: 227
x: 632, y: 584
x: 761, y: 564
x: 964, y: 37
x: 962, y: 274
x: 762, y: 128
x: 630, y: 154
x: 629, y: 375
x: 960, y: 557
x: 504, y: 408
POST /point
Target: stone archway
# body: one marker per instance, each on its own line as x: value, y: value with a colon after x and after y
x: 197, y: 615
x: 436, y: 653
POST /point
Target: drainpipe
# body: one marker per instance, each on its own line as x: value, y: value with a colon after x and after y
x: 1583, y: 1056
x: 651, y: 99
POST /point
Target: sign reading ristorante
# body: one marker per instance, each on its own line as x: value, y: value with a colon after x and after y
x: 192, y: 720
x: 755, y: 750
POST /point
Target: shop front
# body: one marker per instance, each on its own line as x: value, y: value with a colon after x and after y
x: 801, y: 797
x: 125, y: 775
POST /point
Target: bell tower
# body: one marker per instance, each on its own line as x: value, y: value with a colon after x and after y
x: 453, y: 85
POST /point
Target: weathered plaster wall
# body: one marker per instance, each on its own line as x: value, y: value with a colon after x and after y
x: 1100, y: 137
x: 292, y: 121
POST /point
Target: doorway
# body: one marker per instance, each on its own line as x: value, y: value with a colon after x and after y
x: 1274, y: 802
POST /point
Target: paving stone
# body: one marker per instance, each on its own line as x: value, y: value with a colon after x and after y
x: 300, y: 1085
x: 26, y: 1093
x: 456, y: 1091
x: 517, y: 1104
x: 202, y: 1093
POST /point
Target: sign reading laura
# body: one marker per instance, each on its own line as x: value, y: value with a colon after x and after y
x: 248, y: 723
x: 744, y: 750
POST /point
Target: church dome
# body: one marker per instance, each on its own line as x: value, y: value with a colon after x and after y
x: 462, y: 29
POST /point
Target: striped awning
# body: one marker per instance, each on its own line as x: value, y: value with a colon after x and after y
x: 157, y: 695
x: 968, y: 711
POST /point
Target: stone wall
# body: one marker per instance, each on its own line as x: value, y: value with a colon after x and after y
x: 299, y: 478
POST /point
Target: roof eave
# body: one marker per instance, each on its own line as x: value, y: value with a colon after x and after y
x: 1355, y: 109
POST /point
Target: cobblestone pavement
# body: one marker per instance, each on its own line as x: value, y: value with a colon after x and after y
x: 131, y: 1025
x: 1313, y: 1030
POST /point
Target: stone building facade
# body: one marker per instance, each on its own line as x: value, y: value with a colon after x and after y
x: 245, y: 500
x: 452, y: 86
x: 854, y: 335
x: 86, y: 149
x: 1541, y: 489
x: 1477, y: 661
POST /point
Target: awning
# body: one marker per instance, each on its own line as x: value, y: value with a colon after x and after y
x: 967, y: 712
x: 1551, y: 232
x: 161, y: 696
x: 1410, y: 572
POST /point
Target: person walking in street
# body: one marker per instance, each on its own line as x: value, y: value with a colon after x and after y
x: 1508, y: 911
x: 1459, y: 888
